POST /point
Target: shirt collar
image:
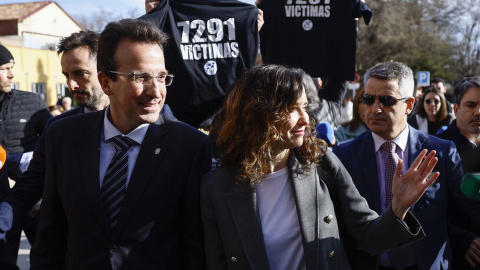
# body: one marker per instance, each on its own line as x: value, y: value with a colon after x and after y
x: 400, y: 140
x: 111, y: 131
x: 86, y: 110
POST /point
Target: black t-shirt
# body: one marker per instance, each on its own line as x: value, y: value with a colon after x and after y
x: 318, y: 36
x: 212, y: 43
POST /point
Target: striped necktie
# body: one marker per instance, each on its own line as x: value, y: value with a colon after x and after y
x: 115, y: 180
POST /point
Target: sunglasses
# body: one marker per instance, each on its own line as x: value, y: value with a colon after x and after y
x: 435, y: 101
x: 386, y: 101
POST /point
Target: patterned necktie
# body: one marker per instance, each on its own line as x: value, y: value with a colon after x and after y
x: 397, y: 255
x: 115, y: 180
x: 392, y: 162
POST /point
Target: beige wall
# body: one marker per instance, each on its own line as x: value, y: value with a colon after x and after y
x: 45, y: 27
x: 38, y: 66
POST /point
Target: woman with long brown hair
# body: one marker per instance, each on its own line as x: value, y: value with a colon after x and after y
x: 279, y: 199
x: 356, y: 126
x: 431, y: 112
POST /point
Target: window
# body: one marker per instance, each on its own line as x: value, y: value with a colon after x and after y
x: 39, y: 88
x: 62, y: 88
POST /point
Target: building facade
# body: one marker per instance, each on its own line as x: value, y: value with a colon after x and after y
x: 31, y: 31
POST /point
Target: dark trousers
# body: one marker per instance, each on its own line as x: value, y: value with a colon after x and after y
x: 29, y: 226
x: 6, y: 262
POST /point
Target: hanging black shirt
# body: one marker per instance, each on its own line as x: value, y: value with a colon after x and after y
x: 212, y: 42
x: 318, y: 36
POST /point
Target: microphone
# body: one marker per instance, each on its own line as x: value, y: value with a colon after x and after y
x: 3, y: 156
x: 470, y: 186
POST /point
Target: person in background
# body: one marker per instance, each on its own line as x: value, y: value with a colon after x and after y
x: 325, y: 133
x: 266, y: 207
x: 23, y: 116
x: 324, y: 104
x: 6, y: 261
x: 55, y: 110
x: 346, y: 113
x: 356, y: 126
x: 440, y: 84
x: 78, y: 61
x: 67, y: 103
x: 464, y: 131
x: 431, y: 112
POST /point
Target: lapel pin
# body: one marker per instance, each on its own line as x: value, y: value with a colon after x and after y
x: 157, y: 151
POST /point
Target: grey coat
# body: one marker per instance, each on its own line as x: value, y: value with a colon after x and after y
x: 233, y: 232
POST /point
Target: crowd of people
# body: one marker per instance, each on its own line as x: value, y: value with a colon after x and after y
x: 122, y: 184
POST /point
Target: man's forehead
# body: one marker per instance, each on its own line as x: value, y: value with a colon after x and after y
x: 472, y: 94
x: 377, y: 85
x: 8, y: 65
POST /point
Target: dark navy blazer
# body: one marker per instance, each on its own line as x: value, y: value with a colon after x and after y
x: 432, y: 252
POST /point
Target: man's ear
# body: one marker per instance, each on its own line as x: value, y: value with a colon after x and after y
x: 104, y: 82
x: 151, y: 5
x: 410, y: 105
x: 455, y: 109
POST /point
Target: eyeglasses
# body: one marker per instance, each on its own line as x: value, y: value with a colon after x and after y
x: 435, y: 101
x: 146, y: 79
x: 385, y: 100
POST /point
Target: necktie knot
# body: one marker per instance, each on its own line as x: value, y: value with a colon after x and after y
x: 389, y: 146
x: 121, y: 143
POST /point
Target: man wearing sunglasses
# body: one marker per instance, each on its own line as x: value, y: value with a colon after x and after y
x: 465, y: 133
x: 371, y: 157
x: 122, y: 184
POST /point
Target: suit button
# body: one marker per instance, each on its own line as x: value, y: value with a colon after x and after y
x: 330, y: 255
x: 329, y: 219
x: 233, y: 259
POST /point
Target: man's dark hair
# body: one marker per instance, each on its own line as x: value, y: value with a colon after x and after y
x: 438, y: 80
x: 114, y: 32
x: 463, y: 86
x: 83, y: 38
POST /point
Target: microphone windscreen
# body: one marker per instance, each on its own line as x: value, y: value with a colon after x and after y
x: 471, y: 186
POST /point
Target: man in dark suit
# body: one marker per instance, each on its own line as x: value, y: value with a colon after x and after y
x: 79, y: 65
x: 388, y: 99
x: 144, y: 213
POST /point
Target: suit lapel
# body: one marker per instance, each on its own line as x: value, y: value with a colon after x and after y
x: 151, y: 153
x: 415, y: 144
x: 368, y: 181
x: 305, y: 192
x: 242, y: 202
x: 88, y: 154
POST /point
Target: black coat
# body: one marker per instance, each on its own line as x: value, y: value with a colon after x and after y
x: 159, y: 226
x: 22, y: 119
